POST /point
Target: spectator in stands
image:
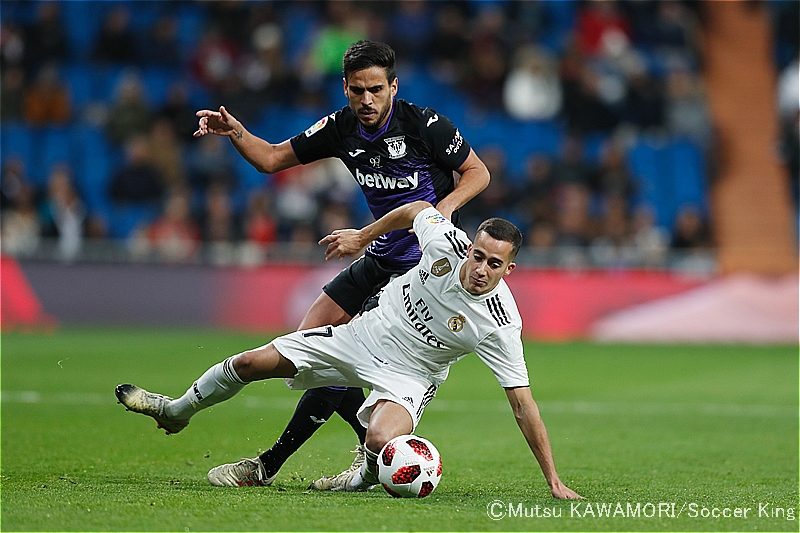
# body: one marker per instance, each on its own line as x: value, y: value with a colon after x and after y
x: 585, y: 111
x: 573, y: 225
x: 488, y: 61
x: 231, y: 20
x: 571, y: 166
x: 334, y: 215
x: 534, y: 199
x: 12, y: 46
x: 210, y: 162
x: 14, y: 181
x: 174, y: 236
x: 789, y: 114
x: 161, y: 45
x: 609, y: 246
x: 648, y: 241
x: 447, y: 44
x: 259, y: 226
x: 613, y: 178
x: 165, y: 153
x: 47, y: 100
x: 532, y: 90
x: 138, y: 180
x: 410, y: 29
x: 690, y: 231
x: 643, y: 106
x: 117, y: 42
x: 220, y: 227
x: 265, y: 75
x: 129, y: 115
x: 601, y: 27
x: 12, y: 94
x: 64, y: 213
x: 45, y: 39
x: 20, y: 226
x: 541, y: 239
x: 296, y: 200
x: 346, y: 23
x: 179, y: 111
x: 687, y: 113
x: 214, y: 60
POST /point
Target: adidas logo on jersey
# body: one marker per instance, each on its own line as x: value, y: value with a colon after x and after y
x: 423, y: 276
x: 379, y: 181
x: 409, y: 399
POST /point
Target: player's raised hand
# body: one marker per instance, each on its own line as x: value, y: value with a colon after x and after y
x: 217, y: 122
x: 342, y: 243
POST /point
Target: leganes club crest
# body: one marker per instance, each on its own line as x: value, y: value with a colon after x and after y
x: 396, y: 146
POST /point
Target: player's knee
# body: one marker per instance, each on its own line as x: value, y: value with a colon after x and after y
x: 262, y: 363
x: 244, y: 364
x: 377, y: 437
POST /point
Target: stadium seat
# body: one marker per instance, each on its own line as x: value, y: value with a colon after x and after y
x: 16, y: 141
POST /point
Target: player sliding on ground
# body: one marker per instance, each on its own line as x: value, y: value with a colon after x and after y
x: 454, y: 302
x: 398, y: 153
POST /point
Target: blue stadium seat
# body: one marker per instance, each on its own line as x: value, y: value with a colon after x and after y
x: 96, y: 162
x: 157, y: 82
x: 644, y: 161
x: 82, y: 22
x: 55, y: 148
x: 125, y: 219
x: 16, y: 141
x: 688, y: 173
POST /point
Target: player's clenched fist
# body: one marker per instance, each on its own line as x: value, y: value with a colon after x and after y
x: 217, y: 122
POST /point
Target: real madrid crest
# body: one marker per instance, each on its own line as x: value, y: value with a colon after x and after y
x: 396, y: 146
x: 456, y: 323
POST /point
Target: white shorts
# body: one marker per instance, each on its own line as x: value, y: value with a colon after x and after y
x: 334, y: 356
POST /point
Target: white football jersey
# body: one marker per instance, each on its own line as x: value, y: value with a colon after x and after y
x: 426, y: 320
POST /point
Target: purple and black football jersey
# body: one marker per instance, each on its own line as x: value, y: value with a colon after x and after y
x: 412, y: 157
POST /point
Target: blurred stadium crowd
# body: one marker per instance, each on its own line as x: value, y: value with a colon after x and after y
x: 591, y: 116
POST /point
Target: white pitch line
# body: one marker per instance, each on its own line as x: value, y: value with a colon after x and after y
x: 590, y: 408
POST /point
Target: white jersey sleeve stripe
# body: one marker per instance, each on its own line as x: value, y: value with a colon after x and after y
x: 459, y: 246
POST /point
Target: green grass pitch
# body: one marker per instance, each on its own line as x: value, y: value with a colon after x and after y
x: 700, y: 430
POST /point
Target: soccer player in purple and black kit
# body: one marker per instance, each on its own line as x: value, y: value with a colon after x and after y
x: 398, y: 153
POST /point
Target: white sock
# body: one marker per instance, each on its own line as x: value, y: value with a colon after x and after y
x: 368, y: 474
x: 216, y: 385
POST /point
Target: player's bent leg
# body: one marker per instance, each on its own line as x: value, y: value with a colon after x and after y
x: 324, y: 312
x: 387, y: 421
x: 316, y: 405
x: 264, y: 362
x: 217, y: 384
x: 314, y: 409
x: 138, y: 400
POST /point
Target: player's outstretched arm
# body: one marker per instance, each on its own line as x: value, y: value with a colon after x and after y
x: 347, y: 242
x: 474, y: 178
x: 526, y: 413
x: 265, y: 157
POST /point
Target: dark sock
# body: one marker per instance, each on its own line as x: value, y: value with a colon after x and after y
x: 317, y: 403
x: 348, y: 410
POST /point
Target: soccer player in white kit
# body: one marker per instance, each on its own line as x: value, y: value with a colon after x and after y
x: 452, y: 303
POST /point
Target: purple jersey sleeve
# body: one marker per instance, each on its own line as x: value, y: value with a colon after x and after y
x: 449, y: 148
x: 319, y: 141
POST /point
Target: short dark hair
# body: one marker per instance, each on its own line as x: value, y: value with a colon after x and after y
x: 365, y: 54
x: 502, y: 230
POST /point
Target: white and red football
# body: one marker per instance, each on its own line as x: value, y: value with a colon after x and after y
x: 409, y: 467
